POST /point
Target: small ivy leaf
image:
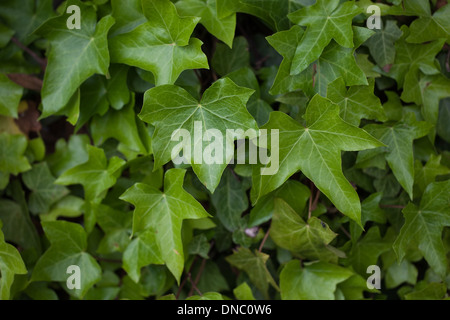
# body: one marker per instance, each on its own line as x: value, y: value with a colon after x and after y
x: 254, y: 264
x: 424, y: 224
x: 10, y: 94
x: 307, y: 239
x: 325, y: 20
x: 399, y: 151
x: 96, y: 175
x: 12, y: 149
x: 68, y: 244
x: 162, y: 45
x: 142, y: 251
x: 44, y: 191
x: 164, y: 212
x: 381, y: 44
x: 357, y: 102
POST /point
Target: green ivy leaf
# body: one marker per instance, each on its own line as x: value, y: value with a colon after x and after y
x: 222, y: 107
x: 308, y: 239
x: 12, y: 149
x: 431, y: 27
x: 44, y: 191
x: 164, y: 213
x: 319, y: 141
x: 11, y: 263
x: 325, y: 20
x: 10, y: 95
x: 161, y: 45
x: 424, y: 224
x: 74, y: 55
x: 254, y: 264
x: 142, y: 251
x: 68, y: 244
x: 230, y: 200
x: 399, y: 151
x: 96, y: 175
x: 315, y: 281
x: 381, y: 44
x: 357, y: 102
x: 221, y: 27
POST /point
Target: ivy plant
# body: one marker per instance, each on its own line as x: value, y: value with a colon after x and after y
x: 224, y: 149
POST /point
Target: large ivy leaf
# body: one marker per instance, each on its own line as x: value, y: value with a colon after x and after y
x: 325, y: 20
x: 254, y: 264
x: 74, y: 55
x: 324, y: 136
x: 11, y: 263
x: 315, y: 281
x: 161, y: 45
x: 398, y: 152
x: 423, y: 226
x: 308, y: 239
x: 164, y: 213
x: 10, y: 94
x: 221, y: 107
x: 68, y: 244
x: 221, y: 27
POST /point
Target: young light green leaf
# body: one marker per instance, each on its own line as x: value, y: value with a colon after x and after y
x: 164, y: 212
x: 325, y: 20
x: 161, y: 45
x: 221, y: 108
x: 424, y: 224
x: 323, y: 138
x: 243, y: 292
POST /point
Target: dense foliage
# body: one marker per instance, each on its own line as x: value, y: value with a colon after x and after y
x: 358, y: 119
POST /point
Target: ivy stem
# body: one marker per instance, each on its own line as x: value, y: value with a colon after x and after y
x: 197, y: 279
x: 42, y: 62
x: 264, y: 240
x: 185, y: 279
